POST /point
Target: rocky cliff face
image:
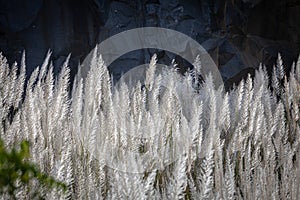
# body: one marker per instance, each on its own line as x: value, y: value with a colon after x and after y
x: 238, y: 34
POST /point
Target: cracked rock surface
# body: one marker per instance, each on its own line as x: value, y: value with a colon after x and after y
x: 238, y: 34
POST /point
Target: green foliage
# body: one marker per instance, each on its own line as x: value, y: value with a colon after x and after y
x: 16, y: 172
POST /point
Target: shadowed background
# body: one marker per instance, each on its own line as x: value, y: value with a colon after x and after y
x: 238, y: 34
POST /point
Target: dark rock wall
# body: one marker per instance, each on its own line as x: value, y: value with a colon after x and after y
x: 239, y: 34
x: 62, y: 26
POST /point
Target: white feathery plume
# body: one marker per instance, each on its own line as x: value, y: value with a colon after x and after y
x: 150, y: 73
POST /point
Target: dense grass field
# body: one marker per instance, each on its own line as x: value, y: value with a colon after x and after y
x: 167, y: 138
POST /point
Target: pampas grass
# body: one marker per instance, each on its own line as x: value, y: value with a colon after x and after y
x: 165, y: 140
